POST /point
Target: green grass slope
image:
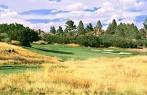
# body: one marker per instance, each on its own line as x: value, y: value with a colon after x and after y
x: 66, y: 52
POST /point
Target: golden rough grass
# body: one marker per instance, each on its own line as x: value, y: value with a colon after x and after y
x: 99, y: 76
x: 15, y: 54
x: 142, y: 50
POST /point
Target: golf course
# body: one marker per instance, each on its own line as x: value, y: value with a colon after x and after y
x: 59, y: 69
x: 73, y: 47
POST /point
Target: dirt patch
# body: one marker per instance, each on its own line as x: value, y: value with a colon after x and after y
x: 73, y: 45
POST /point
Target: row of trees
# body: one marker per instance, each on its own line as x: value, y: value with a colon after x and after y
x: 71, y: 27
x: 118, y: 35
x: 18, y: 32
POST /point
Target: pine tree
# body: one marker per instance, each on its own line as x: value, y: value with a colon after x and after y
x: 112, y: 27
x: 70, y: 26
x: 89, y: 28
x: 53, y: 30
x: 60, y: 30
x: 80, y: 28
x: 98, y: 26
x: 145, y: 24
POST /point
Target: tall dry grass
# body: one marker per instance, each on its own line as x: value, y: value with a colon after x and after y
x: 100, y: 76
x: 18, y: 55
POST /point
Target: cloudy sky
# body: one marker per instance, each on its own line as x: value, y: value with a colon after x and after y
x: 45, y: 13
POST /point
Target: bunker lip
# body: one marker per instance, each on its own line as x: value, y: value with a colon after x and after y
x: 120, y: 53
x: 112, y: 52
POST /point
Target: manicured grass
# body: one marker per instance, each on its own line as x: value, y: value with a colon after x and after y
x: 78, y: 53
x: 66, y: 53
x: 9, y: 69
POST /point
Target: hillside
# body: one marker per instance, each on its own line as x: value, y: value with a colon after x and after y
x: 10, y: 54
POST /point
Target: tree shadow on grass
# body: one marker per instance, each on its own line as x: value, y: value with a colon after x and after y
x: 54, y: 51
x: 9, y: 67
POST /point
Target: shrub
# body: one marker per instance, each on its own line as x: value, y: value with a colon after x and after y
x: 91, y: 41
x: 108, y: 40
x: 4, y: 37
x: 142, y: 43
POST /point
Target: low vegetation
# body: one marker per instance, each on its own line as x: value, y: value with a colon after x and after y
x: 17, y: 32
x: 121, y: 35
x: 98, y: 76
x: 10, y: 54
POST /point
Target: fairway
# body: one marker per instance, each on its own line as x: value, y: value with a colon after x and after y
x: 66, y: 52
x: 10, y: 69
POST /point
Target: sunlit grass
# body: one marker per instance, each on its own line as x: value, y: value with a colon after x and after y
x: 98, y: 76
x: 10, y: 54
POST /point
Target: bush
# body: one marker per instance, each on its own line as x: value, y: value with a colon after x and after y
x: 4, y: 37
x: 108, y: 40
x: 91, y: 41
x: 142, y: 43
x: 61, y: 39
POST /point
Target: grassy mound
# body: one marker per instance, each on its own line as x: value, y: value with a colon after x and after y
x: 10, y: 54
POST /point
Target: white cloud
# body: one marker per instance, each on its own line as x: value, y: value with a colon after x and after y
x: 121, y: 10
x: 76, y: 6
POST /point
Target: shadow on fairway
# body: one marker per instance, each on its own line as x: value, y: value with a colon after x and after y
x: 7, y: 67
x: 54, y: 51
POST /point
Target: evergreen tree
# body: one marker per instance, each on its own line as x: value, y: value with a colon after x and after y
x: 127, y: 31
x: 98, y: 26
x: 60, y: 30
x: 89, y: 28
x: 145, y: 24
x: 70, y: 26
x: 19, y: 33
x: 112, y: 27
x: 53, y: 30
x: 80, y: 28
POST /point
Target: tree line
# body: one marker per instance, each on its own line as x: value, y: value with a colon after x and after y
x: 17, y: 32
x: 122, y: 35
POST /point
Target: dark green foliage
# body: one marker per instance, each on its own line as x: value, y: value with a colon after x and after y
x: 80, y: 28
x: 91, y: 41
x: 69, y: 26
x: 127, y: 31
x: 19, y: 33
x: 112, y: 27
x: 4, y: 37
x: 98, y: 25
x: 52, y: 30
x: 108, y: 40
x: 122, y: 35
x: 60, y: 30
x: 142, y: 33
x: 145, y: 24
x: 59, y: 39
x: 89, y: 28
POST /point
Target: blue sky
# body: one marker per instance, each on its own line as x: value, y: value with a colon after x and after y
x: 45, y: 13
